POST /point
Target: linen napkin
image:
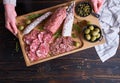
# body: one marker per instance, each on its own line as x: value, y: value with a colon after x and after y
x: 110, y: 24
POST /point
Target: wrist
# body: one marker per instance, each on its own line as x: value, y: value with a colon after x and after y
x: 9, y: 6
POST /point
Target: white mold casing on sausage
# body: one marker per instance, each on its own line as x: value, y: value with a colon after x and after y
x: 36, y: 22
x: 68, y: 23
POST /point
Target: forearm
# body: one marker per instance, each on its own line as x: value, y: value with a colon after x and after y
x: 13, y: 2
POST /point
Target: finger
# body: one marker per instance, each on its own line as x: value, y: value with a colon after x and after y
x: 14, y: 27
x: 9, y: 27
x: 100, y: 3
x: 15, y: 14
x: 95, y: 7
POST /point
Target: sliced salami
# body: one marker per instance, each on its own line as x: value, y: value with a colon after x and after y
x: 38, y: 46
x: 32, y: 56
x: 42, y: 50
x: 34, y: 45
x: 61, y: 45
x: 30, y: 37
x: 40, y: 36
x: 47, y: 38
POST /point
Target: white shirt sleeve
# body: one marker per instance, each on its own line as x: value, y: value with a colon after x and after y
x: 9, y: 2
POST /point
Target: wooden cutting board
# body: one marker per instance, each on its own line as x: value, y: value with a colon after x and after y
x: 84, y: 44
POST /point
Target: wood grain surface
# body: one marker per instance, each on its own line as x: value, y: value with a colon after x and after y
x: 80, y: 67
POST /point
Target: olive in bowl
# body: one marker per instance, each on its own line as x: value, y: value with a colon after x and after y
x: 92, y: 33
x: 83, y: 9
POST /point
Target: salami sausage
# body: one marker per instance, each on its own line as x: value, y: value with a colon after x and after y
x: 68, y: 23
x: 36, y: 22
x: 56, y: 20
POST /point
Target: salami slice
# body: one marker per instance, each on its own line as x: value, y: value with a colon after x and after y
x: 28, y: 38
x: 40, y: 36
x: 47, y: 38
x: 34, y: 45
x: 32, y: 56
x: 42, y: 50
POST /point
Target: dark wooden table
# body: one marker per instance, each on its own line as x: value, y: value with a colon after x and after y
x: 81, y: 67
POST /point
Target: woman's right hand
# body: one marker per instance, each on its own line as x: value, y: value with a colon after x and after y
x: 97, y: 4
x: 10, y: 18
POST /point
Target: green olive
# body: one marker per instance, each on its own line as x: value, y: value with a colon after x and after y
x: 97, y: 29
x: 93, y: 38
x: 91, y: 27
x: 21, y: 27
x: 87, y: 31
x: 98, y: 35
x: 94, y: 33
x: 76, y: 44
x: 28, y: 21
x: 88, y: 37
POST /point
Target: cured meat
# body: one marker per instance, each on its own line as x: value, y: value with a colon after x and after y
x: 61, y: 45
x: 43, y: 50
x: 56, y: 20
x: 37, y: 44
x: 34, y: 45
x: 30, y: 37
x: 68, y: 23
x: 47, y: 38
x: 32, y: 56
x: 40, y: 36
x: 36, y: 22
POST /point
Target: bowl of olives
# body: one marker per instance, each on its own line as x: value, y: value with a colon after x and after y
x: 83, y: 9
x: 92, y: 33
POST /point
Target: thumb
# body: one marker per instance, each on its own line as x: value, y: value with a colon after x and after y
x: 100, y: 3
x: 95, y: 7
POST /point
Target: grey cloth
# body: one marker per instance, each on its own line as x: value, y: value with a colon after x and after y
x: 110, y: 23
x: 9, y: 2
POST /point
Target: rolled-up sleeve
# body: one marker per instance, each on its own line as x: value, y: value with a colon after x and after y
x: 9, y: 2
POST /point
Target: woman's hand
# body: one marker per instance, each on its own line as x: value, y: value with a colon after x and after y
x: 97, y: 4
x: 10, y: 18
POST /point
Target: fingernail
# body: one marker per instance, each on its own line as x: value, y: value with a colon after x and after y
x: 15, y: 33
